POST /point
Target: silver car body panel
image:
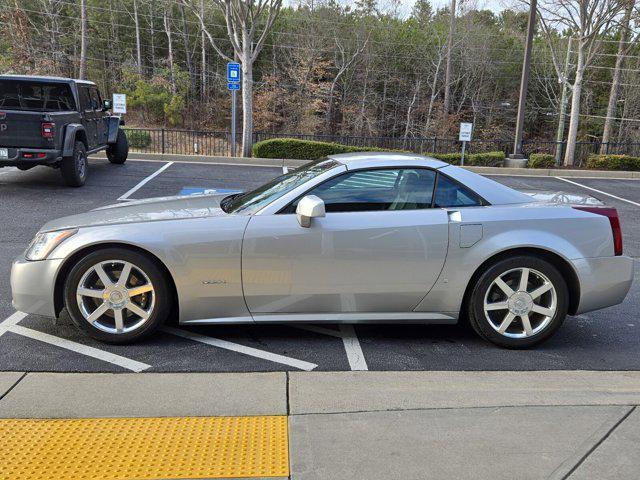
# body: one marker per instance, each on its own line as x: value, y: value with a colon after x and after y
x: 409, y: 265
x: 345, y: 262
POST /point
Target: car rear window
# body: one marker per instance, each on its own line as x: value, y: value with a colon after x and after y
x: 38, y: 96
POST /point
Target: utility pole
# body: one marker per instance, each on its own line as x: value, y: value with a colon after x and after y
x: 564, y: 100
x: 447, y: 76
x: 524, y: 83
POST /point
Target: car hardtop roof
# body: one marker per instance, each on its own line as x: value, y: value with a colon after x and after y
x: 385, y: 159
x: 43, y: 78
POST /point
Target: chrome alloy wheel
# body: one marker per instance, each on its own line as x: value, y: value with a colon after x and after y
x: 115, y: 296
x: 520, y: 303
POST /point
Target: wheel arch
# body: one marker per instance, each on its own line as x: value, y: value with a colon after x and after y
x: 58, y: 295
x: 73, y: 133
x: 566, y: 270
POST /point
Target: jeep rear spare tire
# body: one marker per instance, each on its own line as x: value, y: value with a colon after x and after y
x: 74, y: 168
x: 117, y: 152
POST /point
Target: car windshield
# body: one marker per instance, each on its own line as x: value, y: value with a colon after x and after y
x: 251, y: 202
x: 36, y: 96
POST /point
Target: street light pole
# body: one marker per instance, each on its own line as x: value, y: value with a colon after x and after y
x: 524, y: 82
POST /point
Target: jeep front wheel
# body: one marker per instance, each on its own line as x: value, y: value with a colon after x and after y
x: 117, y: 152
x: 74, y: 168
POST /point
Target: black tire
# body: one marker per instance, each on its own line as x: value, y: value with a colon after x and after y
x: 75, y: 168
x: 158, y: 308
x: 117, y: 152
x: 507, y: 270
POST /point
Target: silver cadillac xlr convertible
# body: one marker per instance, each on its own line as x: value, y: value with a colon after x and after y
x: 366, y: 237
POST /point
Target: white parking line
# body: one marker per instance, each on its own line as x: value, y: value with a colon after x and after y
x: 123, y: 362
x: 352, y: 347
x: 9, y: 322
x: 236, y: 347
x: 599, y: 191
x: 126, y: 196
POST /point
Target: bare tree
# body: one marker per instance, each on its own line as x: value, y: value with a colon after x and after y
x: 138, y: 41
x: 248, y: 24
x: 343, y: 61
x: 167, y: 29
x: 83, y: 39
x: 624, y: 47
x: 446, y: 106
x: 588, y: 20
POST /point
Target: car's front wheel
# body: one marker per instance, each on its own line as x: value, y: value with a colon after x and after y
x: 117, y: 295
x: 118, y: 152
x: 518, y: 302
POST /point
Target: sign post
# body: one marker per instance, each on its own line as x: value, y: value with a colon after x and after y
x: 119, y: 103
x: 464, y: 137
x: 233, y: 84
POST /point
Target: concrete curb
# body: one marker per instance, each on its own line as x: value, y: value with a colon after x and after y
x: 279, y: 162
x: 72, y: 395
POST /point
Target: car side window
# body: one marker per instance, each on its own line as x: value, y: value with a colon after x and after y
x: 380, y: 189
x: 85, y: 99
x: 452, y: 194
x: 96, y: 104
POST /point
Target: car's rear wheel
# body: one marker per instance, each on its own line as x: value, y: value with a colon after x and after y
x: 74, y: 169
x: 518, y: 302
x: 117, y: 152
x: 117, y: 295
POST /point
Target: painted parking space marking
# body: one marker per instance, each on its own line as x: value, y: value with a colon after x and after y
x: 11, y: 321
x: 11, y: 325
x: 347, y: 334
x: 599, y: 191
x: 236, y: 347
x: 143, y: 182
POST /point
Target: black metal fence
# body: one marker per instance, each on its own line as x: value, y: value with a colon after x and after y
x: 218, y: 143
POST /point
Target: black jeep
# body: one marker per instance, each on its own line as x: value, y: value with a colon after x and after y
x: 57, y: 122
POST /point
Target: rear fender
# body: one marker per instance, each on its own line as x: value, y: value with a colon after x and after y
x: 113, y: 125
x: 73, y: 132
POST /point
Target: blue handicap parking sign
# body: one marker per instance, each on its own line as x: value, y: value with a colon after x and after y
x: 233, y: 72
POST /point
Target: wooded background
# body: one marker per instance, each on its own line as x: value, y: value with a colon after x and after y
x: 335, y: 68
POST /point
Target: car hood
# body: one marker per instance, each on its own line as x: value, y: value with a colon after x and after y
x: 147, y: 210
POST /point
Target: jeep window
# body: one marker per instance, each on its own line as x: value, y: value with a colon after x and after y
x: 36, y: 96
x: 85, y: 99
x: 96, y: 104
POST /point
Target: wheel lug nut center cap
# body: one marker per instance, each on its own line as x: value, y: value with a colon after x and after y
x: 520, y: 303
x: 117, y: 298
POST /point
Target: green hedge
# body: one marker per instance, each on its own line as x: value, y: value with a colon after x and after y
x: 541, y: 160
x: 138, y: 138
x: 613, y: 162
x: 486, y: 159
x: 311, y: 150
x: 304, y: 149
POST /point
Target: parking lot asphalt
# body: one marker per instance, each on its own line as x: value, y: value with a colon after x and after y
x: 603, y: 340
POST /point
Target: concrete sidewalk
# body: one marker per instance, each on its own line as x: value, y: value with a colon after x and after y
x: 383, y: 425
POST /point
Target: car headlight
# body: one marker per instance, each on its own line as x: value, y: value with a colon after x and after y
x: 44, y: 243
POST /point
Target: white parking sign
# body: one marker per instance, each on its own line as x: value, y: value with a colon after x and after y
x: 119, y: 103
x: 465, y: 132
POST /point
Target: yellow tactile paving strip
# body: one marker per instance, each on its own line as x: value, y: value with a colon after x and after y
x: 144, y: 448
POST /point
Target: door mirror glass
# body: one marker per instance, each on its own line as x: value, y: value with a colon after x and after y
x: 309, y: 207
x: 106, y: 105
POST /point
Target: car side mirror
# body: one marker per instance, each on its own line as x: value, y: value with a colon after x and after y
x: 106, y: 105
x: 309, y: 207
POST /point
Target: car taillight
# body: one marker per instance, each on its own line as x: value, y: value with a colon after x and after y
x: 48, y: 129
x: 612, y: 214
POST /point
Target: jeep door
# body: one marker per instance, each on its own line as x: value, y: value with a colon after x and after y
x: 380, y: 248
x: 88, y: 115
x: 102, y: 126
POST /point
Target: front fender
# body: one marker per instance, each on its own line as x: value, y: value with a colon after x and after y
x: 201, y: 254
x: 113, y: 125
